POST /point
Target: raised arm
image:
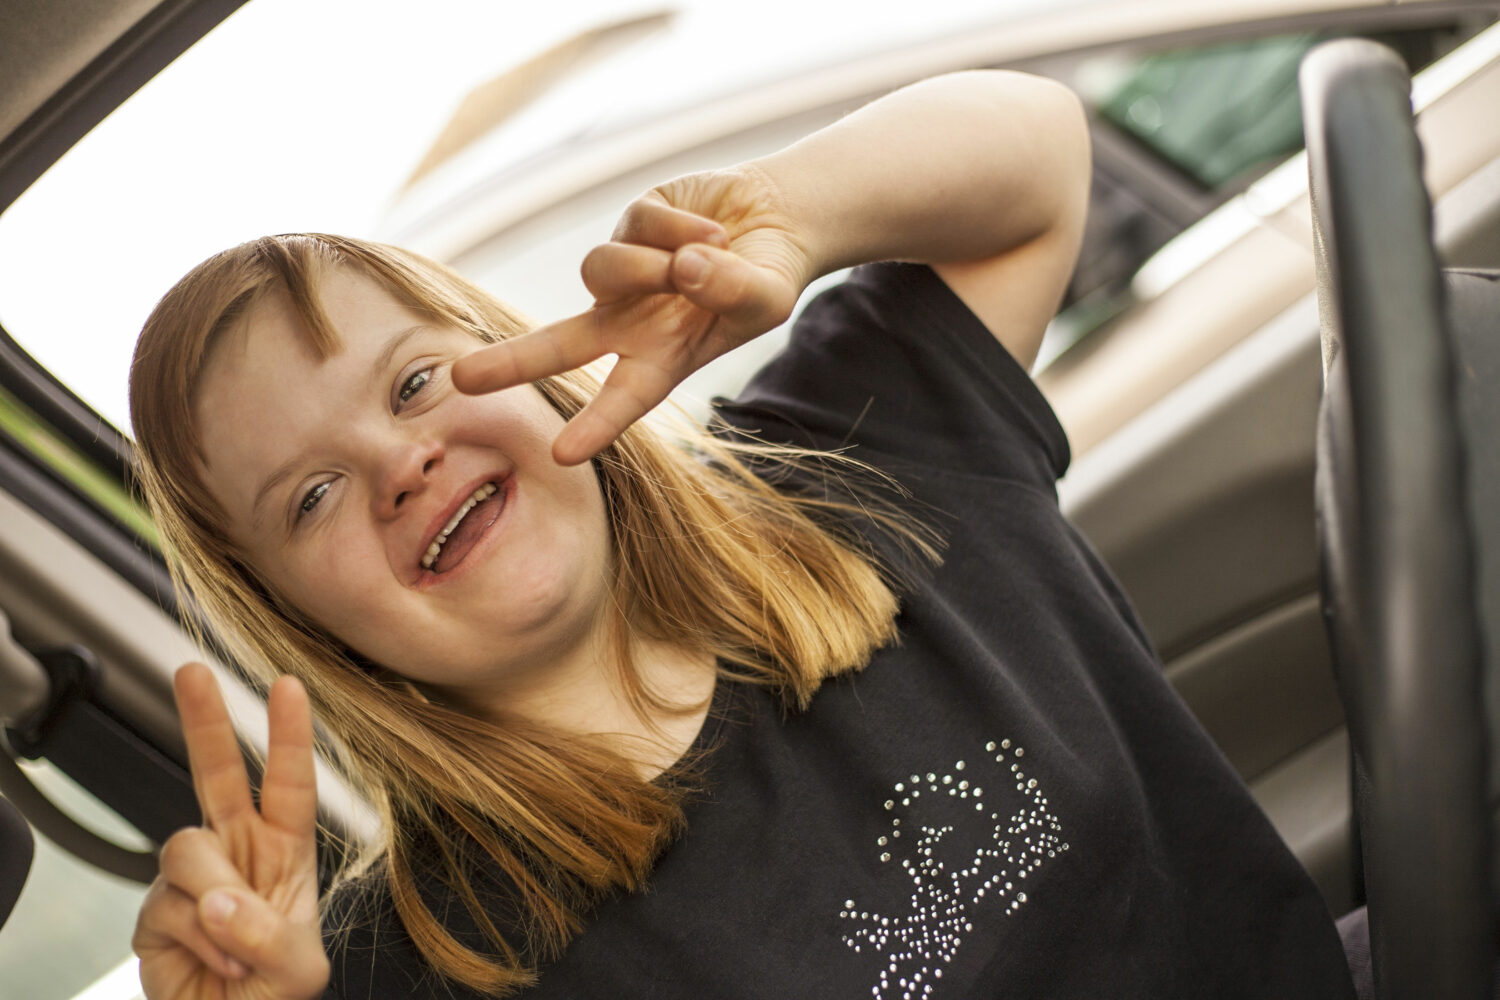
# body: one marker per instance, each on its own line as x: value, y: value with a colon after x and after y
x: 982, y: 174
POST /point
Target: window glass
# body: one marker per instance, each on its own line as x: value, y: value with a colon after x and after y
x: 72, y: 924
x: 1195, y: 126
x: 1221, y: 112
x: 1216, y: 112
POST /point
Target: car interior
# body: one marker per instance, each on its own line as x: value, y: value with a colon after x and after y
x: 1189, y: 375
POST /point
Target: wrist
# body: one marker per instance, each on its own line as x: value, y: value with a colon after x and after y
x: 798, y: 252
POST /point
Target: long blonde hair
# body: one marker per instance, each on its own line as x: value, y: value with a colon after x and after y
x: 706, y: 555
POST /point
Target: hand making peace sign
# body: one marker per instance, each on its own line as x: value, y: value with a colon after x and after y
x: 234, y: 913
x: 697, y: 267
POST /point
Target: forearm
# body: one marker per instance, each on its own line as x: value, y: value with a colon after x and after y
x: 960, y: 167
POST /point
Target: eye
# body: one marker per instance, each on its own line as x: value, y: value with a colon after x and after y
x: 412, y: 385
x: 311, y: 500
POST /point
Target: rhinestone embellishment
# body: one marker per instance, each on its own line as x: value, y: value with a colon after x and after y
x: 947, y: 887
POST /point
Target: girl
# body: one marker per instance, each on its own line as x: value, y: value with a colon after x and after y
x: 643, y: 716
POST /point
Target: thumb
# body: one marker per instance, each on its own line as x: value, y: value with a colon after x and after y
x: 289, y: 956
x: 726, y: 284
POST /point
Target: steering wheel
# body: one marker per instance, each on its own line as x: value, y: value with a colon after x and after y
x: 1408, y: 500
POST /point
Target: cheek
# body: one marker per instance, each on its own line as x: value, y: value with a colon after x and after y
x: 518, y: 421
x: 333, y: 583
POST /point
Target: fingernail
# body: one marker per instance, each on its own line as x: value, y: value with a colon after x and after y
x: 235, y: 968
x: 692, y: 267
x: 218, y: 907
x: 719, y: 239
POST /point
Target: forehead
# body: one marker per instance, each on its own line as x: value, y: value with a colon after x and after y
x: 351, y: 306
x: 356, y: 310
x: 360, y: 315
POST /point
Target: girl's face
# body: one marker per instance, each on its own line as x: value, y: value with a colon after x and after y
x: 340, y: 476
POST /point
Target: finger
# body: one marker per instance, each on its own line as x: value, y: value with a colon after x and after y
x: 213, y: 749
x: 613, y: 271
x: 169, y: 918
x: 551, y: 350
x: 650, y: 221
x: 195, y: 861
x: 288, y: 955
x: 289, y: 792
x: 632, y: 389
x: 728, y: 285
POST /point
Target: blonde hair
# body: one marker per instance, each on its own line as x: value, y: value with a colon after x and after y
x: 706, y: 555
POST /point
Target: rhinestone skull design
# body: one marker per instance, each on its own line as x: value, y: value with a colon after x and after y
x: 932, y: 844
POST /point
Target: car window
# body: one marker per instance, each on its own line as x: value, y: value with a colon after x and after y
x: 1215, y: 112
x: 71, y: 926
x: 1223, y: 112
x: 1180, y: 130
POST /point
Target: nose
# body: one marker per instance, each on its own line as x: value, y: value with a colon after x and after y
x: 407, y: 469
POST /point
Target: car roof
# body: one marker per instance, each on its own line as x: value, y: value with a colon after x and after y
x: 45, y: 43
x: 66, y: 64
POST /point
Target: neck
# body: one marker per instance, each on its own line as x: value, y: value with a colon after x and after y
x: 584, y: 693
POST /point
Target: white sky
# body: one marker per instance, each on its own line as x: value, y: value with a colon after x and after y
x: 306, y: 115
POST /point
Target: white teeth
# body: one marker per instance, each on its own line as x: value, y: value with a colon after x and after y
x: 483, y: 493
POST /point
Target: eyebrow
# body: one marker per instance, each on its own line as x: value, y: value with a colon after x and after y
x: 383, y: 359
x: 272, y: 481
x: 381, y: 363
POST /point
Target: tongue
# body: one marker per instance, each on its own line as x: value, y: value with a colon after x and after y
x: 468, y: 531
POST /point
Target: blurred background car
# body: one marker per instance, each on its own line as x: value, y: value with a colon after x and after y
x: 1184, y: 363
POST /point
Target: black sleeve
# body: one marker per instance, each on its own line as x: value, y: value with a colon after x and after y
x: 893, y: 362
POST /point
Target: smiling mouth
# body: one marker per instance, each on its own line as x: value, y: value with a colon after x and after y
x: 458, y: 536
